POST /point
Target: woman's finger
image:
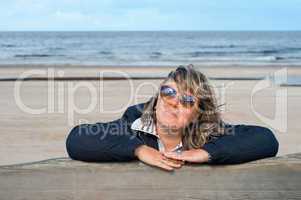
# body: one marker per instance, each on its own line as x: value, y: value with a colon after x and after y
x: 171, y: 163
x: 163, y: 165
x: 174, y: 160
x: 175, y: 156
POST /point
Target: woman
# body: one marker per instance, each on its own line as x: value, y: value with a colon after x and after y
x: 181, y: 123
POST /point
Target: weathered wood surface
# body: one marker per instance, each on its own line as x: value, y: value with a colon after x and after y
x: 62, y: 178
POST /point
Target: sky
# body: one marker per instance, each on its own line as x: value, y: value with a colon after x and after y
x: 141, y: 15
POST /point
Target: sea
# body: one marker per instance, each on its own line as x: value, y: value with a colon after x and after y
x: 152, y: 48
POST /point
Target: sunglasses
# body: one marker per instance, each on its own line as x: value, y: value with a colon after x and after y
x: 169, y: 94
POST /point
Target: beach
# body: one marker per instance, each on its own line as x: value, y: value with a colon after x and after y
x: 37, y: 115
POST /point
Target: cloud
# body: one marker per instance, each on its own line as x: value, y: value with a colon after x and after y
x: 70, y: 16
x: 149, y: 15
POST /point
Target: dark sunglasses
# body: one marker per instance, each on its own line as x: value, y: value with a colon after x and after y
x: 169, y: 93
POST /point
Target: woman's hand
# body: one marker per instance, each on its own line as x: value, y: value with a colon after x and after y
x: 193, y: 155
x: 153, y: 157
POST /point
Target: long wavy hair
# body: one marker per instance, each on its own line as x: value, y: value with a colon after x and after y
x: 208, y: 123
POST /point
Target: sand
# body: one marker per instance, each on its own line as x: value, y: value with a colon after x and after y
x: 27, y: 137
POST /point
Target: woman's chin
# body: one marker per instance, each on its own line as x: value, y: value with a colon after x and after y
x: 170, y: 124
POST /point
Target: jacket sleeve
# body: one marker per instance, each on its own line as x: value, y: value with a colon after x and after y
x: 243, y: 143
x: 109, y: 141
x: 133, y: 112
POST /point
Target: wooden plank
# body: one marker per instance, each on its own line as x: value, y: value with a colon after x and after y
x: 62, y: 178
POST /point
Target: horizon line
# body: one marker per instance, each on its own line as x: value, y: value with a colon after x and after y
x: 259, y: 30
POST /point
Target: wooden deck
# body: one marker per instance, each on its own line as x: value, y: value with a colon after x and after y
x: 62, y: 178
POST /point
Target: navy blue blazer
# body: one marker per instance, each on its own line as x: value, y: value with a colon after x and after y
x: 116, y: 141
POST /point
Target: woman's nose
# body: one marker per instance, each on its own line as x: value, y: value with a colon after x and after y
x: 174, y: 102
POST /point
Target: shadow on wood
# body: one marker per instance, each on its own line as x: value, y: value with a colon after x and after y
x: 62, y: 178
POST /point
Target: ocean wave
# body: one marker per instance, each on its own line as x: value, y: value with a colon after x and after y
x: 196, y: 54
x: 105, y: 52
x: 207, y: 53
x: 293, y: 48
x: 153, y: 47
x: 265, y: 52
x: 156, y: 54
x: 276, y: 51
x: 235, y: 58
x: 269, y: 51
x: 294, y: 57
x: 8, y: 45
x: 229, y: 46
x: 35, y: 55
x: 56, y: 48
x: 270, y: 58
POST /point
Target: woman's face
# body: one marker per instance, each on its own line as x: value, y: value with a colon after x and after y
x: 172, y: 114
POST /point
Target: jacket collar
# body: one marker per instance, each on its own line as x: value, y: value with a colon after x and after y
x: 137, y: 125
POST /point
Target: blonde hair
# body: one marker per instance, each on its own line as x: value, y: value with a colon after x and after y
x: 208, y: 123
